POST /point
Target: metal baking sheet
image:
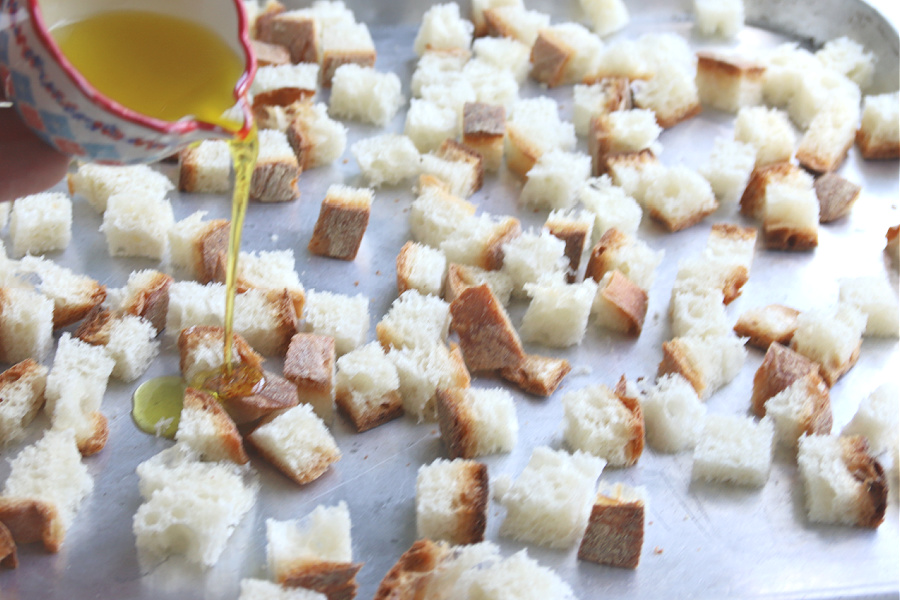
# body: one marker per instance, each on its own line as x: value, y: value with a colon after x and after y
x: 704, y: 541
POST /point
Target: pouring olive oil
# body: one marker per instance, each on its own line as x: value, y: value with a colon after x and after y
x: 168, y: 68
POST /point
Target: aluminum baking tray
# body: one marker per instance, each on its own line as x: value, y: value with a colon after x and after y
x: 702, y: 541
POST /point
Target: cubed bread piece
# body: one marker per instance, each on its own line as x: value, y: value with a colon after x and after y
x: 315, y: 552
x: 414, y: 320
x: 487, y: 338
x: 190, y: 507
x: 413, y: 570
x: 388, y: 158
x: 615, y: 530
x: 491, y: 84
x: 364, y: 94
x: 423, y: 370
x: 421, y: 268
x: 594, y: 99
x: 208, y: 430
x: 843, y: 482
x: 259, y: 19
x: 46, y: 485
x: 611, y: 207
x: 21, y: 397
x: 436, y: 213
x: 768, y: 324
x: 533, y: 257
x: 848, y: 58
x: 606, y: 16
x: 815, y: 90
x: 538, y: 375
x: 453, y: 151
x: 728, y: 83
x: 876, y: 418
x: 436, y: 66
x: 620, y: 304
x: 297, y: 442
x: 507, y: 53
x: 452, y: 500
x: 697, y: 312
x: 26, y: 324
x: 137, y: 225
x: 128, y: 339
x: 719, y: 18
x: 678, y: 197
x: 802, y: 408
x: 345, y: 318
x: 631, y: 171
x: 317, y: 139
x: 768, y: 130
x: 205, y: 168
x: 483, y: 130
x: 443, y: 28
x: 627, y: 254
x: 297, y: 33
x: 367, y: 387
x: 558, y: 313
x: 75, y: 388
x: 708, y: 363
x: 343, y: 219
x: 515, y: 22
x: 40, y: 223
x: 753, y: 200
x: 277, y: 169
x: 791, y: 217
x: 461, y: 277
x: 724, y: 265
x: 604, y: 423
x: 186, y: 241
x: 780, y: 368
x: 876, y: 299
x: 673, y: 414
x: 476, y: 421
x: 201, y: 351
x: 272, y: 270
x: 671, y: 94
x: 550, y: 502
x: 728, y: 169
x: 428, y: 124
x: 260, y: 589
x: 250, y: 393
x: 564, y: 53
x: 282, y: 85
x: 830, y: 336
x: 345, y: 43
x: 554, y: 179
x: 575, y: 229
x: 146, y: 295
x: 836, y: 196
x: 481, y: 241
x: 309, y: 364
x: 879, y: 133
x: 533, y: 128
x: 734, y: 449
x: 829, y: 136
x: 621, y: 132
x: 98, y: 182
x: 73, y: 295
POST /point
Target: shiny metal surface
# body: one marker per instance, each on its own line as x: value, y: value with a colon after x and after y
x: 702, y: 541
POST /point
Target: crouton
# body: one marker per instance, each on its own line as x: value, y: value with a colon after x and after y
x: 538, y: 375
x: 829, y: 136
x: 284, y: 85
x: 611, y: 207
x: 563, y: 54
x: 707, y: 363
x: 317, y: 140
x: 208, y: 430
x: 878, y: 137
x: 615, y: 530
x: 768, y: 130
x: 367, y: 388
x: 387, y: 158
x: 476, y: 421
x: 696, y: 311
x: 295, y: 31
x: 483, y: 130
x: 345, y: 43
x: 343, y: 219
x: 516, y: 22
x: 26, y: 324
x: 205, y: 168
x: 734, y: 449
x: 309, y: 365
x: 678, y: 197
x: 462, y: 277
x: 481, y: 241
x: 98, y: 182
x: 73, y: 295
x: 575, y: 230
x: 836, y: 196
x: 671, y: 94
x: 201, y: 352
x: 451, y: 501
x: 277, y: 169
x: 627, y: 254
x: 21, y: 398
x: 849, y: 58
x: 620, y: 304
x: 128, y: 339
x: 802, y: 408
x: 146, y: 295
x: 728, y: 83
x: 728, y: 169
x: 506, y: 53
x: 830, y: 336
x: 780, y: 368
x: 790, y: 217
x: 413, y: 570
x: 486, y: 336
x: 414, y: 320
x: 554, y: 179
x: 594, y: 99
x: 533, y: 257
x: 753, y: 200
x: 345, y: 318
x: 604, y: 423
x: 768, y: 324
x: 364, y: 94
x: 673, y: 414
x: 533, y: 128
x: 442, y: 28
x: 423, y: 370
x: 558, y: 313
x: 421, y: 268
x: 40, y: 223
x: 428, y: 124
x: 249, y: 393
x: 876, y: 418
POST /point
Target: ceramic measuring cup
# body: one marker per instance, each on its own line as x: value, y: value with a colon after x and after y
x: 56, y: 102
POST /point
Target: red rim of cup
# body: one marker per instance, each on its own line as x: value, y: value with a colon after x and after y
x: 180, y: 127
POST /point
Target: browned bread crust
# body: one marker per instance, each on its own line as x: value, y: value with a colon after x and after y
x: 599, y: 260
x: 615, y: 533
x: 635, y: 446
x: 336, y: 580
x: 454, y: 151
x: 628, y: 300
x: 538, y: 375
x: 29, y: 520
x: 892, y: 244
x: 484, y: 127
x: 151, y: 301
x: 550, y: 55
x: 487, y: 337
x: 599, y: 144
x: 779, y: 369
x: 263, y: 25
x: 753, y: 200
x: 96, y: 441
x: 677, y: 360
x: 575, y: 235
x: 340, y: 228
x: 298, y: 35
x: 374, y: 413
x: 270, y: 54
x: 874, y: 148
x: 309, y: 364
x: 8, y: 557
x: 454, y: 422
x: 763, y: 326
x: 311, y: 470
x: 332, y: 59
x: 26, y: 375
x: 834, y: 371
x: 470, y: 504
x: 865, y: 469
x: 68, y: 312
x: 410, y: 575
x: 226, y: 431
x: 779, y: 237
x: 522, y: 154
x: 836, y: 196
x: 249, y: 394
x: 630, y: 160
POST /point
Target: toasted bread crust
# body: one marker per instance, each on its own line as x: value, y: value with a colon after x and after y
x: 29, y: 520
x: 226, y: 431
x: 299, y: 36
x: 191, y: 337
x: 309, y: 363
x: 550, y: 55
x: 522, y: 154
x: 599, y: 144
x: 8, y: 557
x: 538, y: 375
x: 472, y: 505
x: 753, y: 200
x: 822, y: 162
x: 574, y: 234
x: 410, y: 575
x: 817, y: 417
x: 598, y: 262
x: 836, y: 196
x: 65, y: 314
x: 629, y: 301
x: 151, y: 301
x: 454, y: 421
x: 779, y: 369
x: 635, y: 446
x: 763, y: 326
x: 487, y: 337
x: 492, y: 257
x: 454, y: 151
x: 340, y: 228
x: 336, y: 580
x: 269, y: 394
x: 729, y: 66
x: 268, y: 54
x: 406, y: 260
x: 34, y: 376
x: 263, y: 26
x: 615, y: 533
x: 375, y: 413
x: 332, y: 59
x: 872, y: 500
x: 484, y: 127
x: 98, y: 437
x: 873, y: 148
x: 676, y: 360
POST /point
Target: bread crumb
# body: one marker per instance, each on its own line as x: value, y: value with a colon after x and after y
x: 657, y: 550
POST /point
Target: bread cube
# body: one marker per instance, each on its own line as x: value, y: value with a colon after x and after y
x: 367, y: 387
x: 386, y: 158
x: 309, y: 365
x: 734, y: 449
x: 317, y: 140
x: 617, y: 251
x: 40, y: 223
x: 611, y: 207
x: 879, y: 133
x: 487, y: 338
x: 271, y: 271
x: 606, y: 16
x: 201, y: 351
x: 604, y: 423
x: 564, y: 53
x: 451, y: 501
x: 550, y: 502
x: 442, y: 29
x: 461, y: 169
x: 73, y: 295
x: 462, y: 277
x: 678, y: 197
x: 768, y: 130
x: 503, y: 52
x: 345, y: 43
x: 21, y: 397
x: 428, y: 124
x: 816, y: 90
x: 595, y: 99
x: 423, y: 371
x: 136, y: 225
x: 671, y: 94
x: 876, y: 418
x: 728, y: 83
x: 297, y: 33
x: 631, y: 171
x: 615, y: 531
x: 673, y: 414
x: 697, y: 312
x: 314, y: 553
x: 46, y: 485
x: 558, y: 313
x: 514, y: 21
x: 836, y: 196
x: 439, y: 79
x: 719, y: 18
x: 785, y: 65
x: 277, y: 169
x: 875, y: 297
x: 620, y: 304
x: 480, y: 241
x: 848, y: 58
x: 483, y: 131
x: 791, y: 217
x: 575, y: 230
x: 844, y: 484
x: 436, y: 213
x: 186, y: 239
x: 708, y: 363
x: 343, y: 219
x: 128, y: 339
x: 533, y: 128
x: 190, y: 507
x: 414, y: 320
x: 728, y: 169
x: 620, y: 132
x: 830, y: 336
x: 802, y: 408
x: 780, y: 368
x: 532, y: 257
x: 753, y: 200
x: 622, y: 59
x: 538, y: 375
x: 476, y: 421
x: 421, y: 268
x: 98, y: 182
x: 26, y: 324
x: 205, y: 168
x: 364, y: 94
x: 205, y: 427
x: 723, y: 266
x: 554, y: 179
x: 831, y: 132
x: 345, y: 318
x: 768, y: 324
